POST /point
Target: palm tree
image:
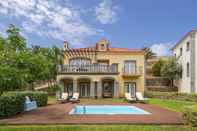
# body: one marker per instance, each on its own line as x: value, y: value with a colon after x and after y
x: 148, y: 53
x: 58, y: 58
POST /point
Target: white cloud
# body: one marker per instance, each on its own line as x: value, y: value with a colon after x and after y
x: 106, y: 12
x: 54, y: 19
x: 161, y: 49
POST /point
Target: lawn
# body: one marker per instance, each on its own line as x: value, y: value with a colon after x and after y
x: 173, y: 105
x: 95, y: 128
x: 51, y: 99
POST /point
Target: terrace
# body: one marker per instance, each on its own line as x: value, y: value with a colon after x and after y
x: 56, y: 113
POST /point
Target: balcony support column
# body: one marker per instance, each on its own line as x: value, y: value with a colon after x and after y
x: 99, y: 89
x: 116, y: 89
x: 74, y: 86
x: 92, y: 89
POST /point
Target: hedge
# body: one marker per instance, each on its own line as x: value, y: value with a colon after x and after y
x: 40, y: 97
x: 172, y: 95
x: 190, y: 115
x: 12, y: 103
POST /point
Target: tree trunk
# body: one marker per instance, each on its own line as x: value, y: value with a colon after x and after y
x: 1, y: 92
x: 172, y: 83
x: 31, y: 87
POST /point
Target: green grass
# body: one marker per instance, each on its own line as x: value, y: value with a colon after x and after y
x: 51, y: 99
x: 96, y: 128
x: 173, y: 105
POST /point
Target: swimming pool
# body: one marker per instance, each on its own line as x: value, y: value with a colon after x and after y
x: 107, y: 110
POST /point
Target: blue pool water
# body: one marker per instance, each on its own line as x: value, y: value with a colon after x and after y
x: 107, y: 110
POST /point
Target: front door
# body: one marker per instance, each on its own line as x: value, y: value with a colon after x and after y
x: 130, y: 87
x: 84, y: 89
x: 107, y: 88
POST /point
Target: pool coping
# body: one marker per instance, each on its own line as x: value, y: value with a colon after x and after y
x: 137, y: 108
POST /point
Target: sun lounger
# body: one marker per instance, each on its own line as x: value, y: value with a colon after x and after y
x: 129, y: 98
x: 63, y: 98
x: 140, y: 97
x: 75, y: 98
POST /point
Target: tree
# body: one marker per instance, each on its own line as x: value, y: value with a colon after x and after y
x: 15, y: 41
x: 2, y: 43
x: 10, y: 79
x: 156, y: 69
x: 21, y: 66
x: 148, y: 53
x: 172, y: 70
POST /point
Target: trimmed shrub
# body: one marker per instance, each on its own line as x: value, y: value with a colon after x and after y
x: 172, y: 95
x: 190, y: 115
x: 156, y: 69
x: 11, y: 105
x: 39, y: 96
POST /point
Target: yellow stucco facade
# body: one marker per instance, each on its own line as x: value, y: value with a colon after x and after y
x: 103, y: 71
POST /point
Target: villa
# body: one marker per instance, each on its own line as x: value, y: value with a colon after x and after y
x: 186, y: 53
x: 102, y: 71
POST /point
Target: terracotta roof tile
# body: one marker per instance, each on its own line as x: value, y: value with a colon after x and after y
x: 123, y: 49
x: 113, y: 49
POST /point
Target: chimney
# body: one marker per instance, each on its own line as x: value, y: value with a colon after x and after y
x: 66, y: 45
x: 102, y: 45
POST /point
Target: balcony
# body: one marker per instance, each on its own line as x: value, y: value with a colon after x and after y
x: 137, y: 72
x: 88, y: 69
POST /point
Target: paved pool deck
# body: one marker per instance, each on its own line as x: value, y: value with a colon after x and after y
x: 58, y: 114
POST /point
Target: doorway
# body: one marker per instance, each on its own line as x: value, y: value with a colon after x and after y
x: 107, y: 86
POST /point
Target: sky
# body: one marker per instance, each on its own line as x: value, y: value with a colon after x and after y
x: 157, y: 24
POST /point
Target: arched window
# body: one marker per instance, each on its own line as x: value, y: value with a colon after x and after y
x: 79, y: 61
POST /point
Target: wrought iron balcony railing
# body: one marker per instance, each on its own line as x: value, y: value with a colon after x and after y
x: 94, y: 68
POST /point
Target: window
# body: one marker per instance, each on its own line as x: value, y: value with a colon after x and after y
x: 102, y: 46
x: 130, y: 67
x: 84, y: 89
x: 181, y: 51
x: 80, y: 61
x: 188, y: 69
x: 130, y: 87
x: 103, y: 65
x: 188, y: 46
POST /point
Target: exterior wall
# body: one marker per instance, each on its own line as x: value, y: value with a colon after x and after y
x: 118, y: 58
x: 195, y: 57
x: 115, y: 56
x: 186, y: 84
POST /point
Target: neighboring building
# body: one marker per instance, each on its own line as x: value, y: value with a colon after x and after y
x: 186, y: 53
x: 102, y: 71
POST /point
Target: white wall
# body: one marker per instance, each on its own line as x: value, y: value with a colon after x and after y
x: 195, y: 62
x: 185, y: 82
